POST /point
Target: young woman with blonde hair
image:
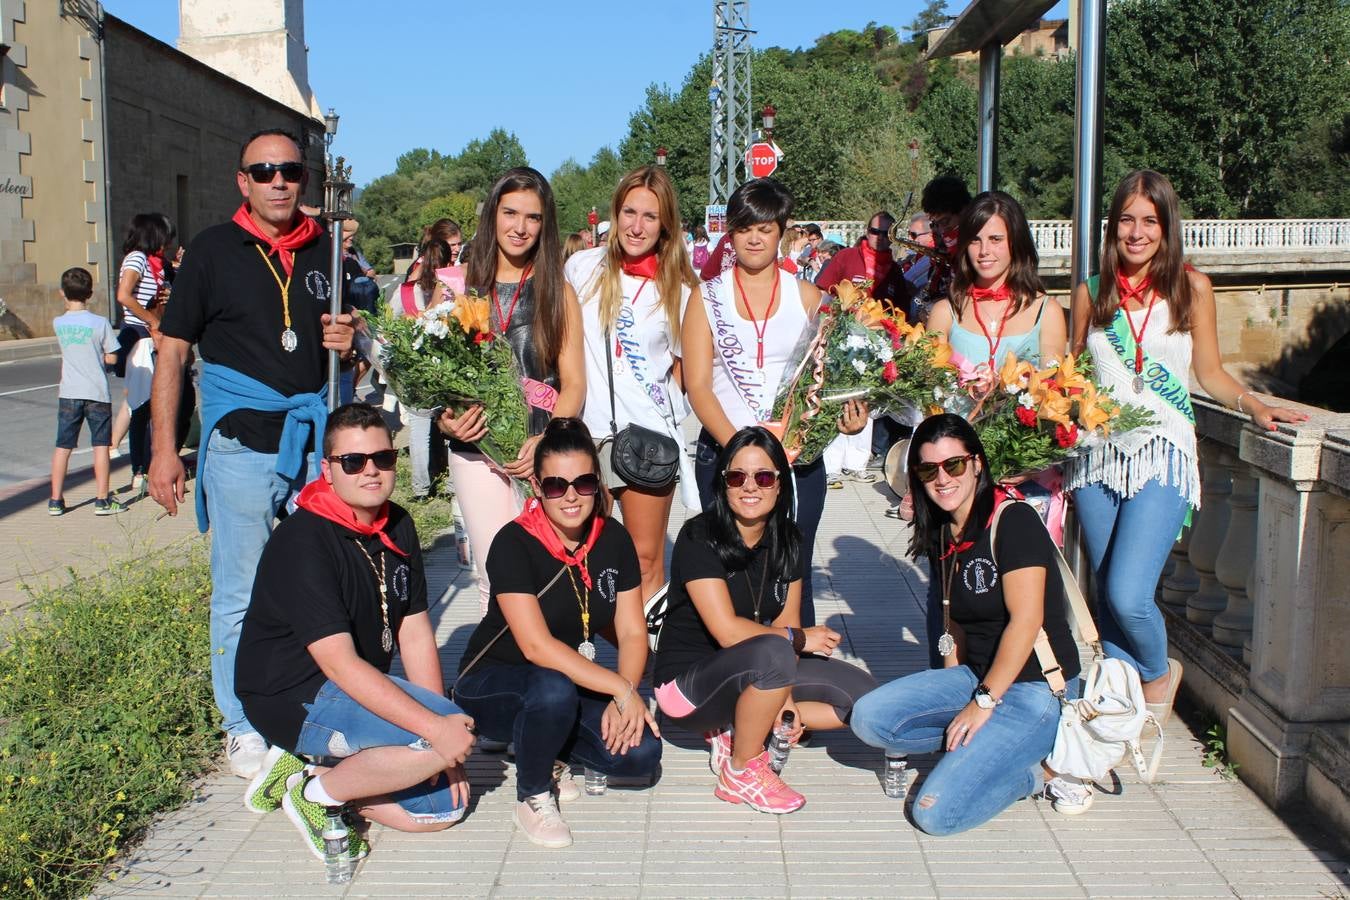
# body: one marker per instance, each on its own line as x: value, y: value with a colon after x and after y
x: 633, y: 290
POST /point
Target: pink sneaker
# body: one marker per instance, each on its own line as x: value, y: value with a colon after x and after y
x: 758, y: 787
x: 719, y: 749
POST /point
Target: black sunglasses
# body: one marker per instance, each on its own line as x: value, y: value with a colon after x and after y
x: 955, y: 466
x: 878, y: 231
x: 764, y: 478
x: 355, y: 463
x: 554, y: 487
x: 264, y: 173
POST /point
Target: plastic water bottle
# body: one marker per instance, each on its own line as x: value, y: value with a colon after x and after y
x: 596, y: 782
x: 780, y: 743
x: 337, y: 861
x: 893, y: 776
x: 462, y: 548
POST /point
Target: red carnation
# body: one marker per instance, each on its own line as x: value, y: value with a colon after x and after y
x: 890, y: 373
x: 483, y: 337
x: 1026, y: 415
x: 1066, y: 437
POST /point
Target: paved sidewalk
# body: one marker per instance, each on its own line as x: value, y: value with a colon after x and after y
x: 1191, y: 834
x: 37, y: 549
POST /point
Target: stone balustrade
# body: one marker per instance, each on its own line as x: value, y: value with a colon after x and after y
x: 1257, y: 598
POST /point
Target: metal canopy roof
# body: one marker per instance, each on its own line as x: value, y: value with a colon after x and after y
x: 988, y: 21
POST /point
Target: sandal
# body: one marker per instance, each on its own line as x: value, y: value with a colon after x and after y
x: 1163, y: 711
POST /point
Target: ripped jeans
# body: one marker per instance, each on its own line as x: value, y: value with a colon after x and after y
x: 971, y: 784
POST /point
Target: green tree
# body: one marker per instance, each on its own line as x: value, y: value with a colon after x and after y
x: 457, y: 206
x: 576, y: 188
x: 933, y: 15
x: 879, y: 172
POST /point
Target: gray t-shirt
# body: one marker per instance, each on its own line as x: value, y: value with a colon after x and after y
x: 84, y: 338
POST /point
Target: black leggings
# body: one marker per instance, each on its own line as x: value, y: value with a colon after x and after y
x: 713, y: 685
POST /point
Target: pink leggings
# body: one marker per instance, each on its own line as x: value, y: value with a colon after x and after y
x: 487, y: 501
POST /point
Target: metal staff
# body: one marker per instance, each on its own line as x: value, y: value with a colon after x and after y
x: 337, y: 199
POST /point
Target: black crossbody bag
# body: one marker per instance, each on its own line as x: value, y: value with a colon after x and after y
x: 640, y: 456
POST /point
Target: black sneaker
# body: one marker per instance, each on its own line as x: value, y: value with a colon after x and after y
x: 56, y: 507
x: 107, y: 506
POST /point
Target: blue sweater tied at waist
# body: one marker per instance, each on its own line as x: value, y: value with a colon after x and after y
x: 225, y: 390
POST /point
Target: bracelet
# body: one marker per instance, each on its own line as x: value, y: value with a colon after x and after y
x: 798, y: 638
x: 1239, y: 402
x: 620, y: 704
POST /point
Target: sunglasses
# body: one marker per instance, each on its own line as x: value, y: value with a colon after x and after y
x: 764, y: 478
x: 355, y: 463
x: 264, y: 173
x: 915, y: 235
x: 954, y: 465
x: 878, y: 231
x: 553, y: 487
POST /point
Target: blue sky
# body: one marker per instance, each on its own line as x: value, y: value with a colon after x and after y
x: 563, y: 76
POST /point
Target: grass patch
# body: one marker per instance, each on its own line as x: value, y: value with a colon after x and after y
x: 106, y: 713
x: 106, y: 718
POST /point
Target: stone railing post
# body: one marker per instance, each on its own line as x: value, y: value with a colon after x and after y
x: 1234, y: 564
x: 1210, y: 528
x: 1182, y: 582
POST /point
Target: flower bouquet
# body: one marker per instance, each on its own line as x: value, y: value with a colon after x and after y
x: 449, y: 356
x: 1030, y: 419
x: 855, y: 350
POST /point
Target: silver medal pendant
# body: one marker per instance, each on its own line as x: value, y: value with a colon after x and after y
x: 587, y: 649
x: 946, y: 644
x: 1137, y: 385
x: 289, y: 341
x: 387, y: 639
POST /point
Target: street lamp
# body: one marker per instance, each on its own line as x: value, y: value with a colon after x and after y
x: 769, y: 115
x: 330, y: 125
x: 661, y: 156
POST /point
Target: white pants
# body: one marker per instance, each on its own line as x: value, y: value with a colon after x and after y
x: 849, y: 451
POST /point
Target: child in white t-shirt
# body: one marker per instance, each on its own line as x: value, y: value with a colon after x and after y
x: 88, y: 345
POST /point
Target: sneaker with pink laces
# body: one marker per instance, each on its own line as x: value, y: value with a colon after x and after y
x: 719, y: 749
x: 757, y: 786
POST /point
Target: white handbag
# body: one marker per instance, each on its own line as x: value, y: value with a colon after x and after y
x: 1097, y: 730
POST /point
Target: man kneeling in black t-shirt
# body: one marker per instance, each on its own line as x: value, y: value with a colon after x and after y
x: 339, y: 586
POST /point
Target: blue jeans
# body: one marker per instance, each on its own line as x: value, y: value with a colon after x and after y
x: 1128, y: 541
x: 971, y: 784
x: 337, y: 727
x: 548, y: 717
x: 243, y: 494
x: 809, y: 484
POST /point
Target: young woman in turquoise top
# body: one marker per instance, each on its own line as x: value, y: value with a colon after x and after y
x: 997, y: 305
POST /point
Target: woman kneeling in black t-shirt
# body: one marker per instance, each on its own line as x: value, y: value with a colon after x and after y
x: 989, y: 706
x: 731, y: 650
x: 528, y: 672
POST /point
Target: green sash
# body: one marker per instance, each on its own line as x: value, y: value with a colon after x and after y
x: 1157, y: 376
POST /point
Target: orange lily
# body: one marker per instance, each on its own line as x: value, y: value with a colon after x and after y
x: 849, y: 294
x: 1015, y: 373
x: 870, y: 313
x: 942, y: 354
x: 1055, y: 407
x: 472, y: 313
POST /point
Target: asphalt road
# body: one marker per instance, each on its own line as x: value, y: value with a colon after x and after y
x: 28, y: 420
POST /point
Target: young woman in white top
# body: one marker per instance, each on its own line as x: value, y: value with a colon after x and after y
x: 736, y: 344
x: 1148, y: 321
x: 515, y: 260
x: 633, y: 290
x: 421, y: 291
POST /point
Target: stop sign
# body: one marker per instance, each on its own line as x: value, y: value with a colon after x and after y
x: 762, y: 159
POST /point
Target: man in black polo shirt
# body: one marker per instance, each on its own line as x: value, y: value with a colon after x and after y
x: 253, y: 294
x: 340, y: 587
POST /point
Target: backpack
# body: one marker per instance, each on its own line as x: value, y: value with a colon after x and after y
x: 1097, y: 730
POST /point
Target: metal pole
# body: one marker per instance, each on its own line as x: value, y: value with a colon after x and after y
x: 334, y: 306
x: 991, y: 56
x: 1087, y: 190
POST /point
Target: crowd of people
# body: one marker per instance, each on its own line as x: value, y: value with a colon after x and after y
x: 621, y: 342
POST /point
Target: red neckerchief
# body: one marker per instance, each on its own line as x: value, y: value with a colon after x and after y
x: 1002, y: 292
x: 305, y: 230
x: 643, y: 267
x: 1001, y: 493
x: 156, y: 263
x: 537, y: 523
x: 1128, y: 293
x: 875, y: 264
x: 319, y: 498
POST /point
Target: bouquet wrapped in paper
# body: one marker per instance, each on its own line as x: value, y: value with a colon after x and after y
x: 855, y: 350
x: 448, y: 356
x: 1030, y: 419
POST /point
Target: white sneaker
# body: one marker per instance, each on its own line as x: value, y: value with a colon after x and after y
x: 539, y: 818
x: 567, y: 785
x: 1068, y: 796
x: 245, y: 753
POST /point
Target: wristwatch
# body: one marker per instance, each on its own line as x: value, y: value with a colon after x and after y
x: 984, y: 698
